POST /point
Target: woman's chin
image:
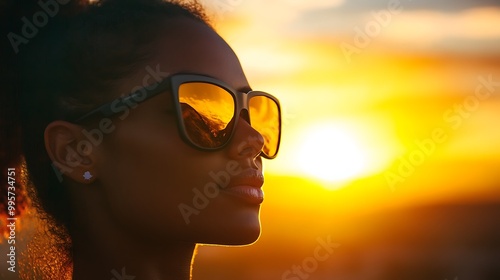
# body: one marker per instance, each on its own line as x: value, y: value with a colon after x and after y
x: 234, y: 237
x: 246, y: 238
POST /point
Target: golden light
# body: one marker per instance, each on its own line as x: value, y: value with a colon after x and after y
x: 333, y: 154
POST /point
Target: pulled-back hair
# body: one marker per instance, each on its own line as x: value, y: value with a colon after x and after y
x: 59, y: 59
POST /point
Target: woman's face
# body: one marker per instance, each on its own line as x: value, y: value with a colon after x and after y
x: 157, y: 186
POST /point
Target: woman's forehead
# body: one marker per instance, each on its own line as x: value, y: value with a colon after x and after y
x: 188, y: 46
x: 192, y: 47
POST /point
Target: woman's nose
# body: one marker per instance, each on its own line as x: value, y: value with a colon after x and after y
x: 246, y: 142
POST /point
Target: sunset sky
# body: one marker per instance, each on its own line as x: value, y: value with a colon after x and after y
x: 363, y: 100
x: 387, y: 105
x: 380, y: 110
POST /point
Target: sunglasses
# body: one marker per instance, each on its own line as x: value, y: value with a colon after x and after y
x: 208, y: 111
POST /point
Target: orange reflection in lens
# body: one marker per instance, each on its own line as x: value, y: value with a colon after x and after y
x: 207, y: 111
x: 265, y: 118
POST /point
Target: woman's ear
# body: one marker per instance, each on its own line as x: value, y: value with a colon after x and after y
x: 71, y: 153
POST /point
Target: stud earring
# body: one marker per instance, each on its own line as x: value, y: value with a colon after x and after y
x: 87, y: 176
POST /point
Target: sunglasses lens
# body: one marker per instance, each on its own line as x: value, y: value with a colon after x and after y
x: 266, y: 119
x: 207, y: 111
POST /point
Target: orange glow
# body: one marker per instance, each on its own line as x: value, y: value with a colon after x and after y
x: 351, y: 121
x: 380, y: 102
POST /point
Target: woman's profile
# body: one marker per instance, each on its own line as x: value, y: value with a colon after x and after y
x: 137, y: 134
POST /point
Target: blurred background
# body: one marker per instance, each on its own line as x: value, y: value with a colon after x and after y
x: 391, y: 139
x: 390, y: 160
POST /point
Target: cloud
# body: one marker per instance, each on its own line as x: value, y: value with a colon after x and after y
x: 470, y: 30
x: 277, y: 11
x: 441, y: 5
x: 261, y: 29
x: 414, y: 28
x: 470, y: 24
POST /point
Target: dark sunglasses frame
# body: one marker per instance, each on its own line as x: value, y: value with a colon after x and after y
x: 171, y: 84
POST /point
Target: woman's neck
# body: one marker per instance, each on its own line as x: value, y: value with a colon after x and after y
x: 102, y: 249
x: 112, y: 259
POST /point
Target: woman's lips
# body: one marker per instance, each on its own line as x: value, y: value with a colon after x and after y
x: 247, y: 186
x: 249, y: 194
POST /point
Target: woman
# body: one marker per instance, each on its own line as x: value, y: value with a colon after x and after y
x: 139, y: 131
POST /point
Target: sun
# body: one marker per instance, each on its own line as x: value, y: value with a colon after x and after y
x: 333, y: 154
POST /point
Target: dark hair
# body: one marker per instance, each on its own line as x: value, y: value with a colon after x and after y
x: 59, y: 60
